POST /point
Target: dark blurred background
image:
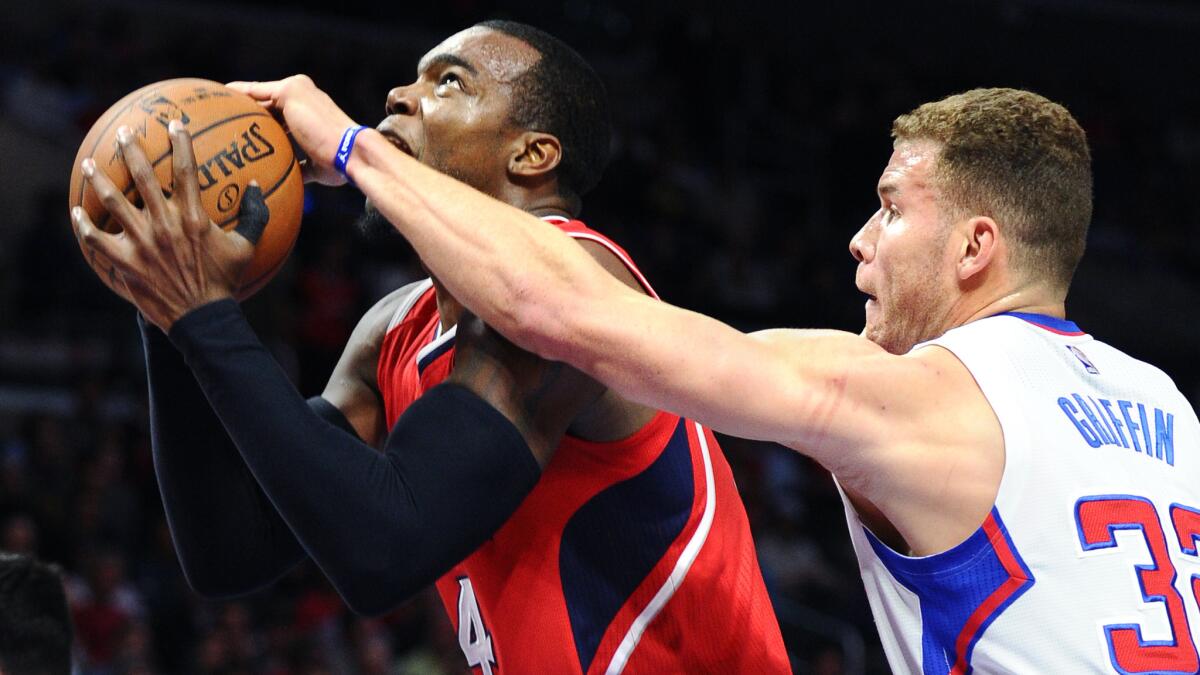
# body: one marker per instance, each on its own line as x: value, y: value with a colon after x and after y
x: 749, y: 138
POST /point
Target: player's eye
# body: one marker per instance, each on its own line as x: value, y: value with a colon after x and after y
x: 890, y: 213
x: 449, y: 79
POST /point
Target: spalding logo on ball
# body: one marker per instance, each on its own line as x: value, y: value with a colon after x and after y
x: 235, y: 141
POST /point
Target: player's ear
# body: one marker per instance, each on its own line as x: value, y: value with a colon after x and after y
x: 979, y: 248
x: 536, y: 154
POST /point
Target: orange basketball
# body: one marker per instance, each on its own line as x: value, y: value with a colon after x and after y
x: 235, y: 140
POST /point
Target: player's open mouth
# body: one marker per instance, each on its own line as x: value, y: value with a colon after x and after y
x: 399, y: 143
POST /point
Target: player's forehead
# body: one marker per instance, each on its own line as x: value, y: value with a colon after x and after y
x: 483, y: 51
x: 910, y: 168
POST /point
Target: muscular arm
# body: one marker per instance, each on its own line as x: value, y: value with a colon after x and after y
x: 534, y: 285
x: 812, y: 391
x: 816, y: 391
x: 873, y: 418
x: 890, y: 427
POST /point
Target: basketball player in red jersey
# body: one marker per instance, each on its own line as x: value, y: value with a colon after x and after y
x: 631, y: 554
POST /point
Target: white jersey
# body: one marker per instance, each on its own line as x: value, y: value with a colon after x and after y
x: 1088, y: 561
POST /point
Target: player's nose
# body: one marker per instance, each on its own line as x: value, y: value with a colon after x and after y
x: 862, y: 244
x: 401, y: 101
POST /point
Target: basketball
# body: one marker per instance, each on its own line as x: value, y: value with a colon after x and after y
x: 235, y: 141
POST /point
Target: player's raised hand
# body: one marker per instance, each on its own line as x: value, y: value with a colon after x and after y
x: 315, y: 122
x: 170, y: 257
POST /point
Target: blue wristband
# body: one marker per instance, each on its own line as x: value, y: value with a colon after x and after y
x: 345, y: 147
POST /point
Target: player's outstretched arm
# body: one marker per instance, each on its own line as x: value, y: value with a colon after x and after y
x: 534, y: 285
x: 537, y: 287
x: 877, y: 420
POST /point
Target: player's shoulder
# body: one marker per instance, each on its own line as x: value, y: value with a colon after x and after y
x: 570, y: 225
x: 1028, y: 337
x: 607, y: 253
x: 390, y: 310
x: 1148, y: 376
x: 1004, y: 343
x: 590, y: 238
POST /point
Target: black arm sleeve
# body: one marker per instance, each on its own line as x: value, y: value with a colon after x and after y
x: 380, y: 525
x: 229, y: 538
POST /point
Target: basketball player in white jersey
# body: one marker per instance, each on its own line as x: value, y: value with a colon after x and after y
x: 1023, y: 498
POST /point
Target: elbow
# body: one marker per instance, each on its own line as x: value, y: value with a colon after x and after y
x: 373, y: 595
x: 370, y: 607
x: 374, y: 579
x: 222, y: 582
x: 378, y: 581
x: 212, y: 586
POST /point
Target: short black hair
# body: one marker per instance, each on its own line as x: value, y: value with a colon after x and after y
x: 563, y: 96
x: 35, y: 628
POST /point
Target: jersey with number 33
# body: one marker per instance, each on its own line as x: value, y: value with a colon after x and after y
x: 632, y: 556
x: 1088, y: 561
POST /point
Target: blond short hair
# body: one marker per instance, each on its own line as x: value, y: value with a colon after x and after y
x: 1020, y: 159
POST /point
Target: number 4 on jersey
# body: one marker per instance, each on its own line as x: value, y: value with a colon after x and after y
x: 473, y: 637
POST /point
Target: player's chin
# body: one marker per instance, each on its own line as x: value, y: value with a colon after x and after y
x: 373, y: 226
x: 886, y: 339
x: 871, y: 332
x: 871, y: 321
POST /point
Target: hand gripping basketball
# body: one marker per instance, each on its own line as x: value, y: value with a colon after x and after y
x: 315, y: 122
x: 170, y: 257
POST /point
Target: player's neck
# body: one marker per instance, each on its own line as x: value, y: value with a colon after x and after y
x: 541, y: 199
x: 449, y: 308
x: 553, y: 211
x: 1029, y: 299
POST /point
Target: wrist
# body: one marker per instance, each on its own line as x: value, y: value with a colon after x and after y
x: 345, y: 149
x: 168, y: 314
x: 367, y: 149
x: 199, y: 316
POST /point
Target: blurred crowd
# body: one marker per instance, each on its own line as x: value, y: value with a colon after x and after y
x: 748, y: 144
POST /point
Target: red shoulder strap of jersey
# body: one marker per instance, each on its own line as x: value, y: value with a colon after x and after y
x: 576, y: 229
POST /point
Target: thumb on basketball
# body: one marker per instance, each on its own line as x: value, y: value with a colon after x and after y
x: 253, y: 215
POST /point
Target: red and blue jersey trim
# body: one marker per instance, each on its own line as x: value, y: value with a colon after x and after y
x: 439, y: 345
x: 961, y: 592
x: 600, y: 573
x: 1050, y: 323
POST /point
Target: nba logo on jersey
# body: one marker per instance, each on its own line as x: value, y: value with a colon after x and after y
x: 1087, y: 364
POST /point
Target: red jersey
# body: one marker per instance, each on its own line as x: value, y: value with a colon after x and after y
x: 628, y: 556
